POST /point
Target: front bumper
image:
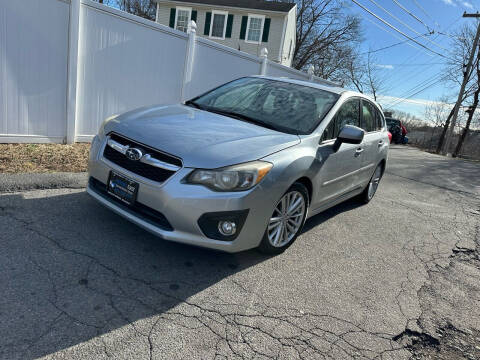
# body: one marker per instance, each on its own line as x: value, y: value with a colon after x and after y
x: 183, y: 204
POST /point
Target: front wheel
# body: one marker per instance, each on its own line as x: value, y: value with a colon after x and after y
x: 372, y: 186
x: 287, y: 220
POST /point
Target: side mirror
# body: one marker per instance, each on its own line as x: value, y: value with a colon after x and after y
x: 350, y: 135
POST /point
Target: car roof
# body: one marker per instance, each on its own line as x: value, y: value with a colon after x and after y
x: 326, y: 85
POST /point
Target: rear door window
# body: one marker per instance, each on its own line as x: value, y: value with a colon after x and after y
x: 368, y: 116
x: 378, y: 120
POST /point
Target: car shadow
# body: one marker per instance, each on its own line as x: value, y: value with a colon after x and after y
x: 73, y: 270
x: 318, y: 219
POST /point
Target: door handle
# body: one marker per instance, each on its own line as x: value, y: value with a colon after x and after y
x: 358, y: 151
x: 380, y: 143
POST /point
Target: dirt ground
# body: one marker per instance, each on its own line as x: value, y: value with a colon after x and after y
x: 18, y: 158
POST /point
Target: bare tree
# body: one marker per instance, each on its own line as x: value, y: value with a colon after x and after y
x: 375, y: 80
x: 366, y: 76
x: 436, y: 113
x: 455, y: 70
x: 144, y: 8
x: 326, y: 37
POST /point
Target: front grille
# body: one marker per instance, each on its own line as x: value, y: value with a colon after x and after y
x: 137, y: 167
x: 144, y: 212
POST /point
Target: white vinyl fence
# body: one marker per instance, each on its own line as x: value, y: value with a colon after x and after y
x: 67, y: 65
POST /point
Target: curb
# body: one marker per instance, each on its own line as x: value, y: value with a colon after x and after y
x: 41, y: 181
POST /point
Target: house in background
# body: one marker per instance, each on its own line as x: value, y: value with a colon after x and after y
x: 246, y: 25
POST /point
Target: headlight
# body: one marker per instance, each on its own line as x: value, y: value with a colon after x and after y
x: 233, y: 178
x: 100, y: 131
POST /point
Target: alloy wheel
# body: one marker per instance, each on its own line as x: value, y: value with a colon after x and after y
x: 287, y: 219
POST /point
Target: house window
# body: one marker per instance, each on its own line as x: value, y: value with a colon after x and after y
x: 255, y: 28
x: 183, y: 18
x: 219, y: 24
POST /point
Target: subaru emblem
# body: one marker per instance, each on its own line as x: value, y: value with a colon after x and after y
x: 134, y: 154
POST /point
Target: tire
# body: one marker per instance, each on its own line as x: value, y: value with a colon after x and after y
x: 275, y: 239
x: 367, y: 195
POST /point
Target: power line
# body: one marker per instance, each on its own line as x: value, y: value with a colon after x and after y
x: 426, y: 86
x: 408, y: 26
x: 423, y: 10
x: 387, y: 47
x: 435, y: 77
x: 423, y: 64
x: 411, y: 14
x: 421, y: 70
x: 400, y: 32
x: 398, y: 37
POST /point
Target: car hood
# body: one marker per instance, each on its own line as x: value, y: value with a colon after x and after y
x: 202, y: 139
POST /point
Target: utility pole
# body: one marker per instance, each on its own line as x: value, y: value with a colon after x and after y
x: 466, y: 76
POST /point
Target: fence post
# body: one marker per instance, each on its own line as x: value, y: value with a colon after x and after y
x: 73, y: 33
x: 263, y: 56
x: 189, y: 58
x: 311, y: 71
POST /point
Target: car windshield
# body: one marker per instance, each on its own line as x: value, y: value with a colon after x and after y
x: 277, y: 105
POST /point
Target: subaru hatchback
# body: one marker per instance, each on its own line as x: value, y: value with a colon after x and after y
x: 241, y: 166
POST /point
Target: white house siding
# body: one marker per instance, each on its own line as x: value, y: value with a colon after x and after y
x: 274, y: 38
x: 290, y: 37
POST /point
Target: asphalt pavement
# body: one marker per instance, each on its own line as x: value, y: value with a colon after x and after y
x: 394, y: 279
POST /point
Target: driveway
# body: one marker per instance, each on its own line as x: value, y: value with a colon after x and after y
x: 396, y: 278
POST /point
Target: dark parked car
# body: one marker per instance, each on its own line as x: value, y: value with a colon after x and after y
x: 395, y: 127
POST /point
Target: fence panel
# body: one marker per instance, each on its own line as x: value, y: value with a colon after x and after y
x: 33, y: 70
x: 215, y: 64
x: 50, y: 92
x: 278, y: 70
x: 124, y: 62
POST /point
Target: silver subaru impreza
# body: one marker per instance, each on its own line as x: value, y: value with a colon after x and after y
x: 241, y: 166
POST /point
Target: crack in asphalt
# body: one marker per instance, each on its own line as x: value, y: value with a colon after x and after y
x: 210, y: 316
x: 310, y: 334
x: 462, y: 192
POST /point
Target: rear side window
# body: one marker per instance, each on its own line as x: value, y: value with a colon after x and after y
x: 369, y: 121
x: 378, y: 120
x: 349, y: 114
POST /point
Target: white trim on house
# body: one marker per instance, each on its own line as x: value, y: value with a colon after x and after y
x: 256, y: 16
x: 233, y: 8
x: 182, y: 8
x: 282, y: 44
x: 219, y: 12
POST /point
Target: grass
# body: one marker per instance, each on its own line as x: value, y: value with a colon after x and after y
x: 17, y: 158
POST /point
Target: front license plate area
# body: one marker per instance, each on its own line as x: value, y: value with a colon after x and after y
x: 122, y: 188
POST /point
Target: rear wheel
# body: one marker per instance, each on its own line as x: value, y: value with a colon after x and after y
x: 372, y: 186
x: 287, y: 220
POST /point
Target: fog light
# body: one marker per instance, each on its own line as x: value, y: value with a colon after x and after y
x: 227, y: 228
